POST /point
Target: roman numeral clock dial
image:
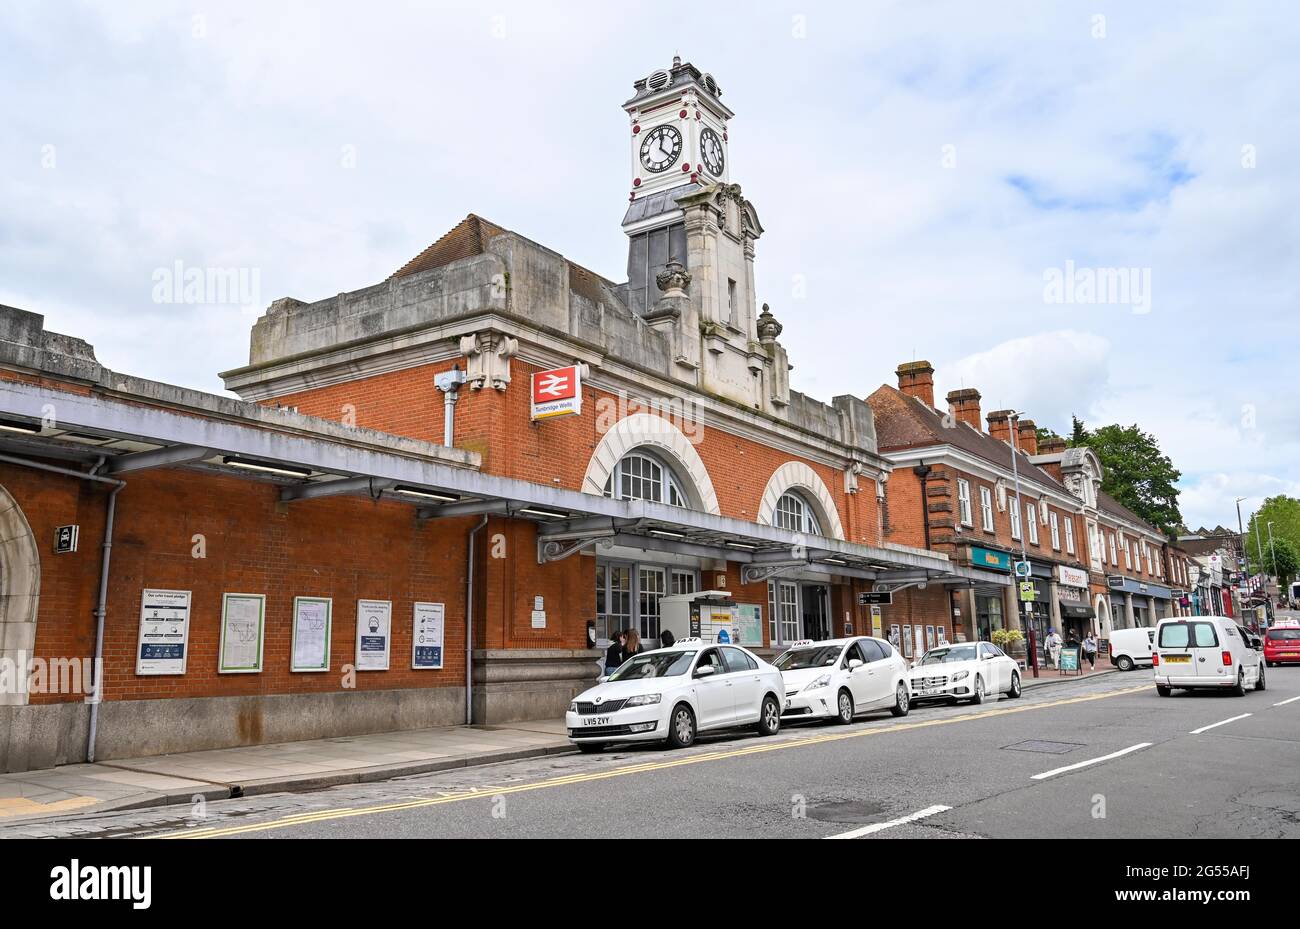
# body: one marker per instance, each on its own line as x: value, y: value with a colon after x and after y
x: 661, y: 148
x: 711, y: 152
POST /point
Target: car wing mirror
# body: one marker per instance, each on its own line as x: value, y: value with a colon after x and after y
x: 705, y: 670
x: 602, y: 679
x: 855, y: 663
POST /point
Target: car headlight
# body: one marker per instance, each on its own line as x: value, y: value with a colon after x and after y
x: 643, y: 700
x: 961, y: 675
x: 573, y: 707
x: 821, y: 682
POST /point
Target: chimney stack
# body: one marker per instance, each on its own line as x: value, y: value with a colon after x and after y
x: 965, y: 406
x: 916, y: 379
x: 1053, y: 445
x: 1000, y: 425
x: 1027, y: 437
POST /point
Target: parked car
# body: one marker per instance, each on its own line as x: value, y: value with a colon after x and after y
x: 1131, y: 648
x: 839, y: 678
x: 1205, y: 652
x: 673, y: 694
x: 964, y: 671
x: 1282, y: 643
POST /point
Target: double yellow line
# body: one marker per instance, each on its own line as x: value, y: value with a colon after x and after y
x: 488, y: 793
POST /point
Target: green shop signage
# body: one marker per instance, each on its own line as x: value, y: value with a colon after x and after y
x: 988, y: 558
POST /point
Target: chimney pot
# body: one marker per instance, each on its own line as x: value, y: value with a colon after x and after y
x: 916, y: 379
x: 1027, y: 437
x: 965, y: 406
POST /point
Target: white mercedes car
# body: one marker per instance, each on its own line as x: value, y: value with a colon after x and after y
x: 970, y: 671
x: 673, y: 694
x: 839, y: 678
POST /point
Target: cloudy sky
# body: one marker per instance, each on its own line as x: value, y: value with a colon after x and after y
x: 926, y: 172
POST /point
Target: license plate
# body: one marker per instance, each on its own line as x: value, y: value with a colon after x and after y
x: 1176, y: 659
x: 929, y: 690
x: 596, y: 721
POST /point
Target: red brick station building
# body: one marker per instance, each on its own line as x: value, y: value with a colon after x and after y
x: 390, y: 530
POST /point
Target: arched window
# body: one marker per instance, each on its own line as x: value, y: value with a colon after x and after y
x: 638, y: 476
x: 794, y: 513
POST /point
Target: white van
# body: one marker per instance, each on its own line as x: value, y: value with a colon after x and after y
x: 1131, y: 647
x: 1205, y: 651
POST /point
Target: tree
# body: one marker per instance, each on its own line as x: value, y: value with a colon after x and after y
x: 1138, y: 474
x: 1286, y: 563
x: 1284, y: 513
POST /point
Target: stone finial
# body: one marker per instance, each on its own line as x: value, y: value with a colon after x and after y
x: 768, y: 327
x: 674, y: 278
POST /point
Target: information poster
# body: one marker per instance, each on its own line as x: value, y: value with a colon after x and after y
x: 164, y: 632
x: 312, y: 618
x: 374, y: 634
x: 919, y: 632
x: 876, y: 621
x: 749, y: 625
x: 942, y: 635
x: 243, y: 622
x: 907, y: 640
x: 427, y: 636
x: 929, y: 637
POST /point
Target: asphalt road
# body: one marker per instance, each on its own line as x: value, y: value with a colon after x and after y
x: 961, y: 771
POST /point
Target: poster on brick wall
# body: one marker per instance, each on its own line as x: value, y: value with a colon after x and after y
x: 427, y: 636
x: 374, y: 634
x: 163, y: 645
x: 243, y: 623
x: 311, y: 633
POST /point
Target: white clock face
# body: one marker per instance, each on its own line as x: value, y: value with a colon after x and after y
x: 661, y: 148
x: 711, y: 152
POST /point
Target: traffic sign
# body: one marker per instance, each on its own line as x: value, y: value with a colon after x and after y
x: 1027, y: 591
x: 1023, y: 569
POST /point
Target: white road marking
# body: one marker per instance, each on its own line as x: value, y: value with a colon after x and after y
x: 1084, y: 764
x: 1220, y: 723
x: 1285, y: 702
x: 878, y: 827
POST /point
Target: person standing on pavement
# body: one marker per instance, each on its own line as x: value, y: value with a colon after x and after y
x: 632, y: 645
x: 1054, y: 648
x: 614, y: 654
x: 1090, y: 651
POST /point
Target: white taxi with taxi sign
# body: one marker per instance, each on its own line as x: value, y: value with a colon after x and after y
x: 839, y: 678
x: 673, y: 694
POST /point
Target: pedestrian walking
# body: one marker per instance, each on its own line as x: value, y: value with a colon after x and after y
x: 1090, y: 651
x: 614, y: 654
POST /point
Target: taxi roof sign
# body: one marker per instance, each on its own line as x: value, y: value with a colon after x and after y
x: 801, y: 643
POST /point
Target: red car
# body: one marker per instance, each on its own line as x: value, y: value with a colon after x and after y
x: 1282, y: 645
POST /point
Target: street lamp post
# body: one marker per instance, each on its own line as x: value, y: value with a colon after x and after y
x: 1272, y: 553
x: 1241, y: 544
x: 1014, y: 420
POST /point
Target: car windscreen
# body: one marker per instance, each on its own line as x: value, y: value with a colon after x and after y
x: 798, y: 659
x: 1188, y: 635
x: 1284, y: 635
x: 653, y: 664
x: 948, y: 655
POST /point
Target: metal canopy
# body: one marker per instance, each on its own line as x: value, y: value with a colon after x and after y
x: 308, y: 466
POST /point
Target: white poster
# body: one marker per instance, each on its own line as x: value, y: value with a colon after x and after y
x: 426, y: 638
x: 374, y: 634
x: 163, y: 645
x: 243, y: 621
x: 919, y: 632
x: 311, y: 633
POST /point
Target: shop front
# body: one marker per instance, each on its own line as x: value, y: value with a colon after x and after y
x: 989, y: 600
x: 1073, y: 602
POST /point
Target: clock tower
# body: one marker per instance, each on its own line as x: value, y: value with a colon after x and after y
x: 691, y: 238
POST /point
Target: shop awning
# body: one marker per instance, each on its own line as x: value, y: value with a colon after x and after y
x: 310, y: 458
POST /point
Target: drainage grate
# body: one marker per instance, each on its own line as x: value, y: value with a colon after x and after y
x: 1043, y: 747
x: 858, y: 811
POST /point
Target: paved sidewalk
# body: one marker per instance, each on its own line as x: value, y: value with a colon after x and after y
x: 1052, y: 676
x: 221, y: 773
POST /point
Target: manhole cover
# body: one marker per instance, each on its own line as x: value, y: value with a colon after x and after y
x: 856, y: 811
x: 1044, y: 747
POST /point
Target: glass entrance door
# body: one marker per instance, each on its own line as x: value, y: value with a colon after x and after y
x: 816, y: 611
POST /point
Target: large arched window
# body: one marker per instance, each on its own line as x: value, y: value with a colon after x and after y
x: 793, y: 512
x: 639, y: 476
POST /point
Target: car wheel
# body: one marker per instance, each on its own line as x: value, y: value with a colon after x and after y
x: 1259, y: 682
x: 979, y: 691
x: 681, y: 727
x: 769, y: 719
x: 1015, y: 690
x: 591, y: 748
x: 844, y: 707
x: 1124, y: 663
x: 1164, y: 690
x: 1240, y: 689
x: 902, y: 700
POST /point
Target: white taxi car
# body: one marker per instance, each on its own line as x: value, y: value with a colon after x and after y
x: 673, y: 694
x: 1205, y: 651
x: 838, y: 678
x: 964, y: 671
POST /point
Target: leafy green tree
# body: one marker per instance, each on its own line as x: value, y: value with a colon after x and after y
x: 1282, y: 560
x: 1138, y: 474
x: 1284, y: 513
